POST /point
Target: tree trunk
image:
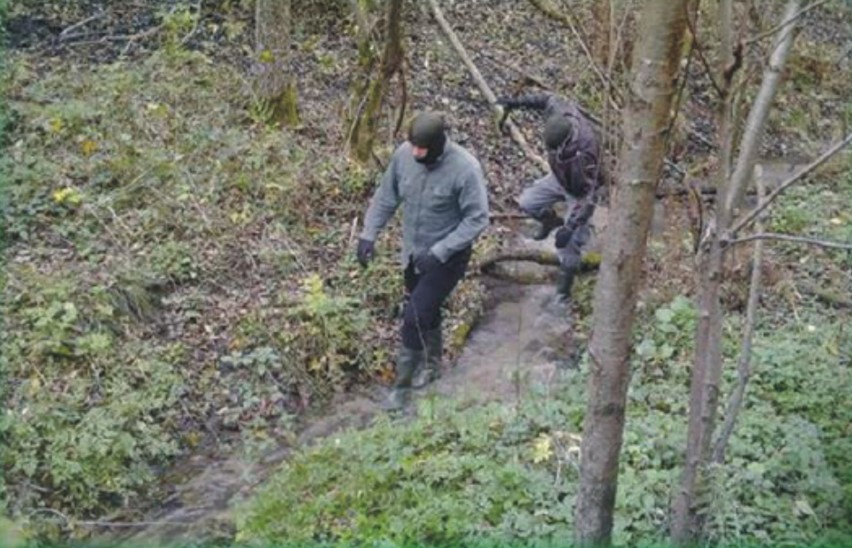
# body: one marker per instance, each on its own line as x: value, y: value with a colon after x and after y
x: 707, y: 366
x: 760, y: 109
x: 646, y: 118
x: 744, y: 367
x: 276, y: 88
x: 363, y: 134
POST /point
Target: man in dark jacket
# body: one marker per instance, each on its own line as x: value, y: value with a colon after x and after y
x: 573, y: 153
x: 445, y: 208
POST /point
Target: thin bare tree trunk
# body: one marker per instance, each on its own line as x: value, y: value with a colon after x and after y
x: 707, y: 366
x: 744, y: 367
x: 646, y: 118
x: 726, y: 54
x: 760, y: 109
x: 276, y: 88
x: 711, y: 261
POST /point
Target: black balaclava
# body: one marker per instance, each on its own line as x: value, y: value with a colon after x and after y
x: 557, y: 130
x: 428, y: 130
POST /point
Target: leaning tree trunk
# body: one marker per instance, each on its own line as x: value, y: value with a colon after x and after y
x: 707, y: 366
x: 646, y: 119
x: 275, y: 86
x: 369, y: 107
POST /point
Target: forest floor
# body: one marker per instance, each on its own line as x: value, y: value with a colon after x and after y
x: 143, y: 117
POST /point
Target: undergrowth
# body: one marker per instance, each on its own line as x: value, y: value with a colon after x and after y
x: 508, y: 474
x: 178, y: 273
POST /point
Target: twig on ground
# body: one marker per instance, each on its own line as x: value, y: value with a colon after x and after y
x: 131, y: 38
x: 546, y: 258
x: 832, y: 298
x: 192, y: 32
x: 353, y: 231
x: 64, y: 35
x: 532, y: 78
x: 508, y: 216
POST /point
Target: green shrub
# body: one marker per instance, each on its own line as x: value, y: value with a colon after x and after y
x: 447, y: 477
x: 86, y: 419
x: 456, y: 475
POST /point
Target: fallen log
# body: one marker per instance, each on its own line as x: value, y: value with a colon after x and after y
x: 590, y: 261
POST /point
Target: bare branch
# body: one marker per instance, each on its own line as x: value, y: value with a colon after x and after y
x: 790, y: 238
x: 784, y: 24
x: 750, y: 216
x: 619, y: 33
x: 681, y: 87
x: 744, y: 366
x: 528, y: 76
x: 65, y: 34
x: 516, y: 134
x: 726, y: 32
x: 130, y: 38
x: 700, y: 51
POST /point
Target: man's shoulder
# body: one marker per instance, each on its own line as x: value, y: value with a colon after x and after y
x: 463, y: 159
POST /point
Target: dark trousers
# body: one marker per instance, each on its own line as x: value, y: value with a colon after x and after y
x: 425, y: 293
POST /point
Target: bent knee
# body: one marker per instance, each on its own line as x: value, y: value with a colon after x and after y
x: 530, y: 203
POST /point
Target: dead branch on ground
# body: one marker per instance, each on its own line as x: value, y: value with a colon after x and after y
x: 790, y: 238
x: 515, y: 133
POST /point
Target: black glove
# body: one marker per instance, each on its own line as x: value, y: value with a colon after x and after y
x: 366, y: 250
x: 508, y: 104
x: 426, y: 262
x: 563, y: 236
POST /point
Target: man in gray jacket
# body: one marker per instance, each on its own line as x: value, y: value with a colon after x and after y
x: 445, y: 208
x: 573, y: 153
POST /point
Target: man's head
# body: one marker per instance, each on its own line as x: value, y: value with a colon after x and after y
x: 557, y: 130
x: 428, y: 135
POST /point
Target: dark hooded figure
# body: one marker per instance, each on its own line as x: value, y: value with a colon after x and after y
x: 573, y: 154
x: 441, y: 188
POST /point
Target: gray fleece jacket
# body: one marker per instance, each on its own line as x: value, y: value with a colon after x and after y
x: 445, y: 204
